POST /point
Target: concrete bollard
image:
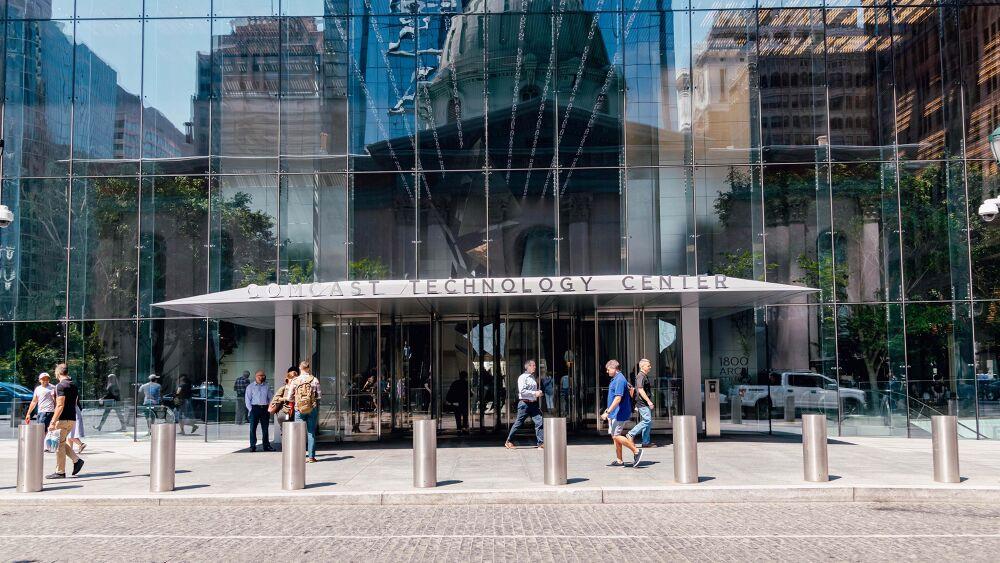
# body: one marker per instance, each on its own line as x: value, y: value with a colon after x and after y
x: 685, y: 449
x: 30, y: 443
x: 425, y: 453
x: 944, y: 442
x: 555, y: 451
x: 815, y: 459
x: 162, y: 457
x: 293, y: 455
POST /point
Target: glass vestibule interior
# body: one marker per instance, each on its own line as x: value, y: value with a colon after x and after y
x: 378, y: 373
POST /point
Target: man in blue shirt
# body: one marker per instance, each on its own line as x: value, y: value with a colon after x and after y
x: 257, y: 398
x: 619, y: 410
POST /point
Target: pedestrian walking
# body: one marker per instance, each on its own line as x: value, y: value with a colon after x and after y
x: 458, y: 396
x: 44, y: 397
x: 306, y: 395
x: 152, y: 397
x: 644, y: 404
x: 527, y: 405
x: 257, y: 398
x: 112, y: 401
x: 619, y: 411
x: 240, y: 388
x: 183, y: 412
x: 63, y: 420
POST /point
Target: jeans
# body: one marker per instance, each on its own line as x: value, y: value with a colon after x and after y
x: 524, y: 410
x: 462, y: 416
x: 259, y: 415
x: 645, y: 426
x: 64, y: 449
x: 241, y: 411
x: 112, y: 405
x: 312, y: 423
x: 45, y: 418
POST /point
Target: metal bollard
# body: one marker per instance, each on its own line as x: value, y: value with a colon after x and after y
x: 425, y: 453
x: 789, y: 408
x: 162, y: 457
x: 685, y: 449
x: 815, y: 460
x: 944, y: 440
x: 953, y: 407
x: 293, y: 455
x: 555, y: 450
x: 30, y: 442
x: 736, y: 409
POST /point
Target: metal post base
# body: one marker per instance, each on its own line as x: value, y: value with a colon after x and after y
x: 944, y: 442
x: 162, y: 457
x: 555, y: 451
x: 425, y: 453
x: 815, y: 460
x: 685, y: 449
x: 30, y: 443
x: 293, y: 455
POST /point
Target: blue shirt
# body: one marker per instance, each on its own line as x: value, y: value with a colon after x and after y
x: 257, y: 394
x: 619, y: 388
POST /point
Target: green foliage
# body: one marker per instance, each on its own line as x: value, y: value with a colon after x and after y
x: 368, y: 269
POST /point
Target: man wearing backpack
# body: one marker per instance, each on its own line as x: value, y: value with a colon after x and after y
x: 306, y: 394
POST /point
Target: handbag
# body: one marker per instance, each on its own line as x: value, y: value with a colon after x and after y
x: 51, y: 440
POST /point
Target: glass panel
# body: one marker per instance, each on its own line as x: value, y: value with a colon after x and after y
x: 313, y: 95
x: 177, y: 8
x: 244, y: 232
x: 724, y: 118
x: 238, y: 349
x: 488, y: 343
x: 314, y: 7
x: 981, y: 83
x: 359, y: 369
x: 522, y: 345
x: 657, y: 70
x: 245, y: 7
x: 176, y: 96
x: 33, y: 251
x: 660, y: 228
x: 38, y: 92
x: 412, y: 388
x: 616, y: 340
x: 662, y: 347
x: 26, y: 349
x: 106, y: 87
x: 523, y: 203
x: 105, y: 9
x: 382, y: 84
x: 795, y: 197
x: 456, y: 387
x: 101, y: 359
x: 863, y: 359
x: 861, y: 192
x: 313, y: 228
x: 103, y: 259
x: 174, y: 240
x: 175, y: 350
x: 590, y: 221
x: 453, y: 229
x: 382, y: 227
x: 987, y: 368
x: 246, y: 64
x: 728, y: 199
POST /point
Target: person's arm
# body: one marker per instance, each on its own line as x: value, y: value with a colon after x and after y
x: 31, y: 407
x: 645, y: 397
x: 60, y: 404
x: 246, y: 399
x: 614, y: 404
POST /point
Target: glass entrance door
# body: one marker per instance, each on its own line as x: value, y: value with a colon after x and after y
x: 410, y: 388
x: 616, y: 339
x: 662, y: 346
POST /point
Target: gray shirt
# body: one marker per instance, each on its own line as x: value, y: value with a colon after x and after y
x: 526, y: 387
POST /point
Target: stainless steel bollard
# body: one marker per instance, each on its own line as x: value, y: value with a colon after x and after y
x: 685, y: 449
x: 293, y: 455
x: 162, y: 457
x: 425, y: 453
x: 815, y: 460
x: 30, y: 442
x: 790, y: 408
x: 555, y: 450
x: 944, y: 440
x: 736, y: 408
x: 713, y: 425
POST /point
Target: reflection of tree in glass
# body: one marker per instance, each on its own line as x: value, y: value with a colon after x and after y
x: 368, y: 269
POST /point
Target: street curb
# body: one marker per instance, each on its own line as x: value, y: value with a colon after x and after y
x: 542, y: 495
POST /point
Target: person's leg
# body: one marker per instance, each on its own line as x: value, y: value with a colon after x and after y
x: 522, y: 412
x: 536, y: 417
x: 264, y: 418
x: 253, y: 430
x: 104, y: 417
x: 64, y: 449
x: 458, y: 419
x: 312, y: 423
x: 464, y: 409
x: 121, y: 415
x: 647, y: 417
x: 640, y: 428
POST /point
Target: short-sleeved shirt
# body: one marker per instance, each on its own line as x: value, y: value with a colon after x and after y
x: 619, y: 388
x: 68, y: 390
x: 641, y: 382
x: 46, y: 397
x: 150, y: 392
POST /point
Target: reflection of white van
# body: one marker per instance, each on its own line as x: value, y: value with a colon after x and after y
x: 811, y: 390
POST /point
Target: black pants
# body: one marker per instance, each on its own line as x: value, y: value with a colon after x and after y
x: 259, y: 415
x: 461, y: 416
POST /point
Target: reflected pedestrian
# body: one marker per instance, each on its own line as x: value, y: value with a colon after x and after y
x: 618, y: 412
x: 527, y: 405
x: 458, y: 396
x: 184, y: 414
x: 112, y: 402
x: 257, y: 399
x: 152, y: 396
x: 44, y: 397
x: 64, y: 419
x: 240, y: 388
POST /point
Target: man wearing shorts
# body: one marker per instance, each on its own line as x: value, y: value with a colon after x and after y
x: 619, y: 410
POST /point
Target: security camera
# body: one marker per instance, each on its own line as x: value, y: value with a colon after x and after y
x: 6, y: 217
x: 989, y: 209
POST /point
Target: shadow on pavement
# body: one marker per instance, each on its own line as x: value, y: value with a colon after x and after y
x: 449, y: 482
x: 320, y: 484
x: 189, y: 487
x: 573, y: 480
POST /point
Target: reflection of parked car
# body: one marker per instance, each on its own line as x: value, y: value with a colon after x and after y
x: 11, y: 391
x: 200, y: 394
x: 811, y: 391
x: 989, y: 389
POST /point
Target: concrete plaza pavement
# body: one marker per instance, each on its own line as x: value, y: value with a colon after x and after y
x: 739, y: 468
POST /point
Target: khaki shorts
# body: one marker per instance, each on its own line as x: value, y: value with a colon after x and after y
x: 615, y: 427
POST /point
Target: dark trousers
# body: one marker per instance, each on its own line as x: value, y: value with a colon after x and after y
x: 527, y: 409
x: 462, y: 416
x: 259, y: 415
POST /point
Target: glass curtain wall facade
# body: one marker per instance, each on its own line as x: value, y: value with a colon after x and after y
x: 160, y: 149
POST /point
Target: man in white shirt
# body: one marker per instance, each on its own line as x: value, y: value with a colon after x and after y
x: 45, y: 398
x: 527, y: 405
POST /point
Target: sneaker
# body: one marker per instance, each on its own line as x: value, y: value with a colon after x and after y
x: 194, y: 428
x: 649, y: 445
x: 637, y: 458
x: 509, y: 445
x: 77, y: 466
x: 541, y: 446
x: 253, y: 449
x: 56, y: 476
x: 82, y: 447
x: 616, y: 463
x: 268, y: 449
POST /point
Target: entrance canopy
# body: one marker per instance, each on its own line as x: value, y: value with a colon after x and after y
x: 255, y: 305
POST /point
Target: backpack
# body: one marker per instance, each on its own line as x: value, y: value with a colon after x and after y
x: 304, y: 397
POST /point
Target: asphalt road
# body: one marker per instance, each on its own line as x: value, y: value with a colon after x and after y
x: 620, y: 533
